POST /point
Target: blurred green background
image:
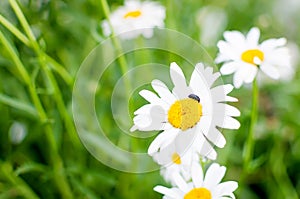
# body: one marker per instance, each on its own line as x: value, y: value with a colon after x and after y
x: 50, y: 162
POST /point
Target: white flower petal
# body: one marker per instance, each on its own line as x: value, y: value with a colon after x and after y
x: 181, y: 184
x: 242, y: 74
x: 253, y: 37
x: 272, y: 43
x: 180, y: 90
x: 252, y: 71
x: 163, y: 91
x: 227, y: 50
x: 166, y: 191
x: 221, y: 58
x: 149, y: 96
x: 270, y: 71
x: 165, y: 136
x: 214, y: 175
x: 231, y: 111
x: 216, y: 137
x: 229, y: 68
x: 226, y: 189
x: 231, y: 99
x: 230, y: 123
x: 197, y: 175
x: 235, y: 38
x: 204, y: 148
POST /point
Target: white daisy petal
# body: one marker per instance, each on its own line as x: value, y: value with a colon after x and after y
x: 163, y: 139
x: 197, y: 175
x: 227, y: 50
x: 253, y: 37
x: 252, y: 71
x: 221, y: 58
x: 270, y: 71
x: 230, y: 123
x: 235, y: 38
x: 238, y: 78
x: 205, y: 149
x: 232, y: 111
x: 229, y: 68
x: 166, y: 191
x: 214, y: 175
x: 149, y: 96
x: 208, y: 73
x: 272, y: 43
x: 163, y: 91
x: 181, y: 184
x: 180, y: 89
x: 226, y: 189
x: 231, y: 99
x: 216, y: 137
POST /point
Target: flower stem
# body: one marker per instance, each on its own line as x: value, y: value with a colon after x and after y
x: 43, y: 59
x: 25, y: 190
x: 279, y: 170
x: 55, y: 158
x: 116, y: 43
x: 56, y: 66
x: 249, y: 147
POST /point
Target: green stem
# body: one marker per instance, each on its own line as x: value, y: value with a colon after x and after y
x: 56, y: 66
x: 55, y: 159
x: 279, y: 170
x: 19, y: 183
x: 42, y: 59
x: 249, y: 147
x: 14, y: 30
x: 18, y: 104
x: 116, y: 43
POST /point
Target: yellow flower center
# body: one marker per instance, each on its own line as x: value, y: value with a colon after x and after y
x: 249, y: 55
x: 185, y: 113
x: 198, y: 193
x: 133, y: 14
x: 176, y: 158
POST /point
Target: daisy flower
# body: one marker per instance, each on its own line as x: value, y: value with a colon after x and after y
x: 208, y: 187
x: 244, y: 56
x: 194, y: 110
x: 135, y: 18
x: 176, y: 158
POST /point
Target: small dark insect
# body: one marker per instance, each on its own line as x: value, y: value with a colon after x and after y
x: 195, y: 97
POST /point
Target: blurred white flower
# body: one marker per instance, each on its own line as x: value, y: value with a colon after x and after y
x: 178, y: 157
x: 286, y: 12
x: 17, y: 132
x: 211, y: 18
x: 208, y: 187
x: 135, y: 18
x: 244, y: 56
x: 193, y: 110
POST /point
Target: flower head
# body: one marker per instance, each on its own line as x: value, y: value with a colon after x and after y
x: 208, y: 187
x: 244, y: 56
x: 193, y: 111
x: 135, y: 18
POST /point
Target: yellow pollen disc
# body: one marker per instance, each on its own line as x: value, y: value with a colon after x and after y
x: 249, y: 55
x: 185, y: 113
x: 198, y: 193
x: 133, y: 14
x: 176, y: 158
